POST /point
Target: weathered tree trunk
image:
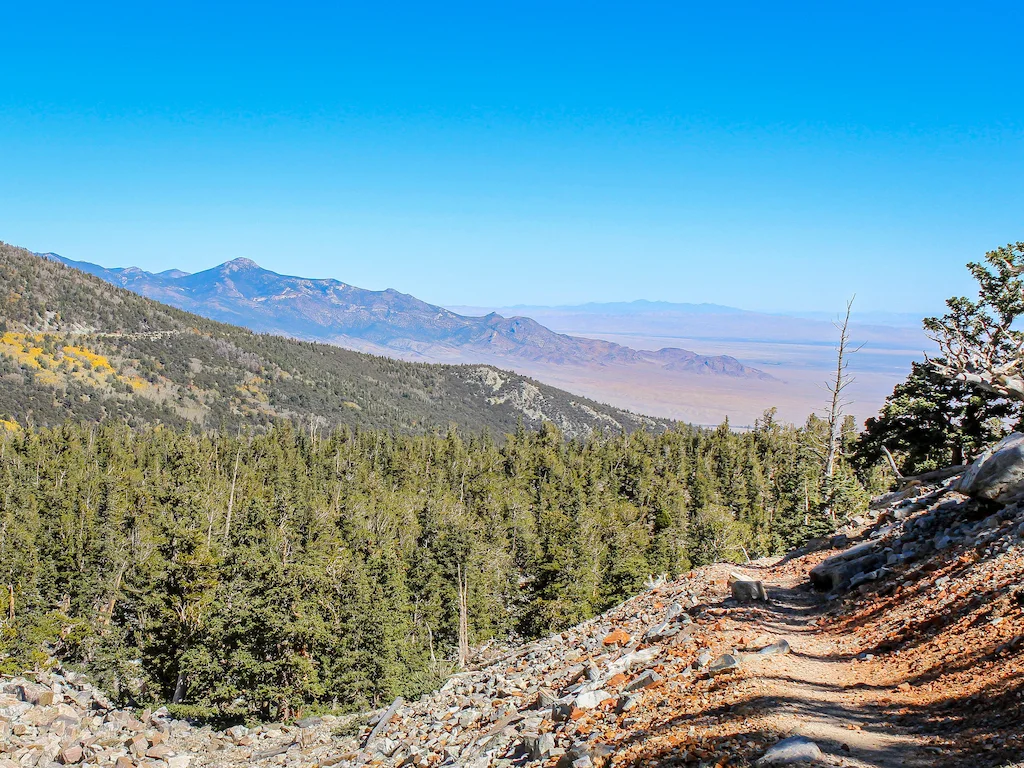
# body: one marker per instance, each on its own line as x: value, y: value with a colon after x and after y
x: 231, y: 496
x: 934, y: 476
x: 838, y: 402
x: 113, y: 595
x: 463, y: 578
x: 892, y: 463
x: 179, y: 689
x: 994, y: 381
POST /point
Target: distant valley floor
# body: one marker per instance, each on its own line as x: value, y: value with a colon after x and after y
x: 801, y: 369
x: 798, y: 388
x: 798, y: 353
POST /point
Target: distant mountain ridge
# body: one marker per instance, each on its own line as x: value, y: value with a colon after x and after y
x: 638, y: 306
x: 75, y: 347
x: 387, y: 322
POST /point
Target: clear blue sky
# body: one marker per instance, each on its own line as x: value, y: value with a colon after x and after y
x: 763, y: 155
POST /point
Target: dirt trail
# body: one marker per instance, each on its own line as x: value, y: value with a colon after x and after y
x: 820, y: 691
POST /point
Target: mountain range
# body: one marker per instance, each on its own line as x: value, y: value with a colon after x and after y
x: 389, y: 322
x: 73, y: 346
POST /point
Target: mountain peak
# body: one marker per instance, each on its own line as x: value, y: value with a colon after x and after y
x: 174, y: 274
x: 240, y: 263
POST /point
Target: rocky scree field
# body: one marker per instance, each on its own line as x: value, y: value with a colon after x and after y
x: 897, y: 642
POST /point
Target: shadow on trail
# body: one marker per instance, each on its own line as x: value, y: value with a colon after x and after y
x: 982, y: 729
x: 736, y: 743
x: 967, y: 745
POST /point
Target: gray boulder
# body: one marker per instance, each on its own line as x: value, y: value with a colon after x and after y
x: 591, y: 699
x: 538, y: 746
x: 586, y: 755
x: 998, y: 474
x: 776, y: 648
x: 561, y: 711
x: 627, y: 702
x: 646, y: 680
x: 746, y: 590
x: 674, y: 612
x: 545, y: 698
x: 661, y: 632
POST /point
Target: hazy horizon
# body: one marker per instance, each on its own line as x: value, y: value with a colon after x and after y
x: 881, y: 317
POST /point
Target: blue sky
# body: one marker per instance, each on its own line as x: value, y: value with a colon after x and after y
x: 762, y: 155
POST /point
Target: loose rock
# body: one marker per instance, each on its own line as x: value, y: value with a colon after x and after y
x: 796, y: 749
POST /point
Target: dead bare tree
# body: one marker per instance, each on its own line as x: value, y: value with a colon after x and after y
x: 838, y: 401
x: 828, y: 448
x: 231, y: 496
x: 892, y: 463
x: 463, y: 577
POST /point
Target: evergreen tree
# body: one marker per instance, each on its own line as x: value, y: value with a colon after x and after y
x: 931, y: 421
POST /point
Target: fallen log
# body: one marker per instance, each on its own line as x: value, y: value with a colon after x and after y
x: 936, y: 475
x: 384, y: 720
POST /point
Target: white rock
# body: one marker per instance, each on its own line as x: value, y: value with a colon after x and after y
x: 998, y: 474
x: 591, y: 699
x: 795, y: 749
x: 630, y: 660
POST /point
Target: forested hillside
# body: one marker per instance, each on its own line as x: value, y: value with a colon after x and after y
x: 75, y: 347
x: 269, y: 573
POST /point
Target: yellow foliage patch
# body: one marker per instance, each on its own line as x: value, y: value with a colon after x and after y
x: 252, y: 389
x: 98, y: 362
x: 22, y: 348
x: 27, y: 349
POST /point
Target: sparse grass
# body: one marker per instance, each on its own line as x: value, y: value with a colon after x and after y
x: 350, y: 726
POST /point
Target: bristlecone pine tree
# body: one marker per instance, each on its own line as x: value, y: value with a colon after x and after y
x: 931, y: 421
x: 978, y: 342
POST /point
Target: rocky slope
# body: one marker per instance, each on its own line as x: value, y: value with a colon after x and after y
x: 899, y: 641
x: 386, y: 322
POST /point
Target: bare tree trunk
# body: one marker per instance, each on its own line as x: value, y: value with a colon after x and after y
x: 10, y: 602
x: 463, y: 578
x: 113, y: 596
x: 231, y: 497
x: 892, y: 463
x: 838, y: 401
x: 179, y: 689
